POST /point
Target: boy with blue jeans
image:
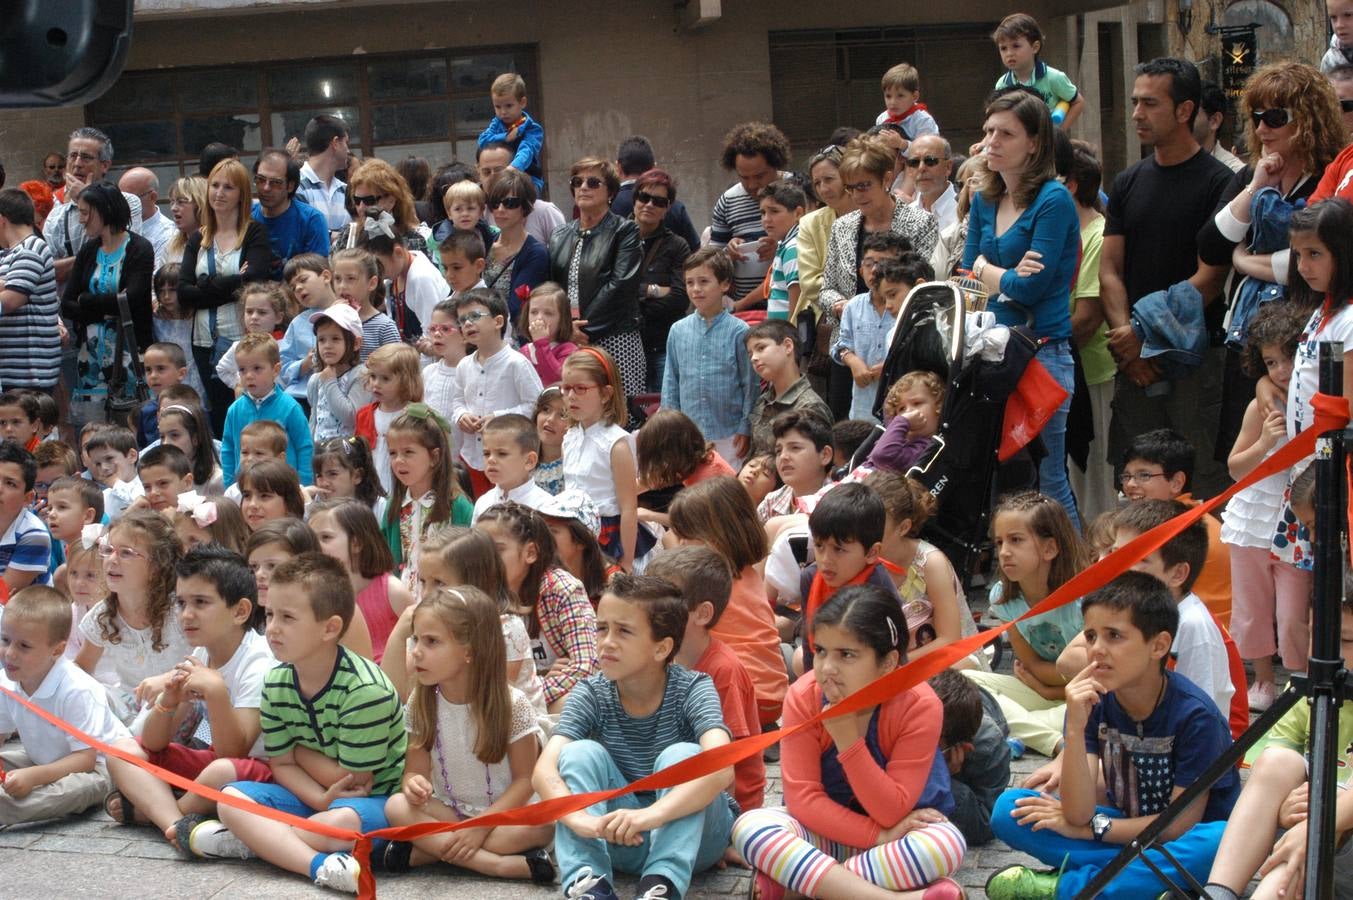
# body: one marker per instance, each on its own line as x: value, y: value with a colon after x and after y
x: 709, y: 374
x: 333, y: 729
x: 639, y: 715
x: 512, y: 125
x: 1148, y: 732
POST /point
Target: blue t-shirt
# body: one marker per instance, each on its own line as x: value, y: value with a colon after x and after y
x: 301, y: 229
x: 1049, y: 633
x: 26, y: 546
x: 1143, y: 762
x: 689, y: 708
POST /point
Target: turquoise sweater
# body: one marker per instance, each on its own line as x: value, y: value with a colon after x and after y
x: 276, y: 407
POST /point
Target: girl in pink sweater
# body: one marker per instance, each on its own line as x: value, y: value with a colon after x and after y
x: 548, y: 320
x: 865, y: 793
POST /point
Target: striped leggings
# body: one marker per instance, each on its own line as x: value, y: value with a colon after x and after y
x: 773, y: 842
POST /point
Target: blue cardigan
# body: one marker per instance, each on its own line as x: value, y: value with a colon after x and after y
x: 276, y: 407
x: 531, y: 268
x: 1050, y: 226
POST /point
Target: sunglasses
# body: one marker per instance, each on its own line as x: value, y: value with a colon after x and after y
x: 859, y: 187
x: 506, y: 203
x: 264, y: 181
x: 1273, y: 118
x: 646, y: 197
x: 472, y: 317
x: 1346, y: 105
x: 591, y: 181
x: 930, y: 161
x: 365, y: 199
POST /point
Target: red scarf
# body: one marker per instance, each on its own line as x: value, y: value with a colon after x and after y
x: 893, y: 120
x: 819, y: 593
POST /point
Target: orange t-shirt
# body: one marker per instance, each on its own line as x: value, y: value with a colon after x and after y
x: 747, y: 626
x: 738, y: 699
x: 1213, y: 586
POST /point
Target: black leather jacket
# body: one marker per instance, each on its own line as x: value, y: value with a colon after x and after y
x: 608, y: 278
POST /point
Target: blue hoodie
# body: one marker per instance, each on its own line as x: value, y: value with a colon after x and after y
x: 525, y: 149
x: 276, y: 407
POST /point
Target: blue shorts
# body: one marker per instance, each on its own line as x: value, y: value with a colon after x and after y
x: 370, y: 810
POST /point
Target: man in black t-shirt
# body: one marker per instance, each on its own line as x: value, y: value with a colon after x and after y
x: 1156, y: 208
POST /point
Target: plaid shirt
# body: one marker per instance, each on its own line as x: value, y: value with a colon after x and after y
x: 569, y: 625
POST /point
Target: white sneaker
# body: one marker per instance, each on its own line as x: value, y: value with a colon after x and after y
x: 1262, y: 694
x: 339, y: 872
x: 212, y: 840
x: 583, y: 886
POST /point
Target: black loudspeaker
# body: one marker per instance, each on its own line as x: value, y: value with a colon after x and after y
x: 61, y: 52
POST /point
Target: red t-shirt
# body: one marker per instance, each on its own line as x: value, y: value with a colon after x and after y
x: 1337, y: 180
x: 738, y: 699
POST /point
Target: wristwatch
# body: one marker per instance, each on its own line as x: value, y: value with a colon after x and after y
x: 1100, y: 825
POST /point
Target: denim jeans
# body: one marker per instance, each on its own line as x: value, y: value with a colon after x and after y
x: 674, y: 850
x: 1052, y: 477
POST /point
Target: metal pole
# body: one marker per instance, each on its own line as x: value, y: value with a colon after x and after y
x: 1326, y: 671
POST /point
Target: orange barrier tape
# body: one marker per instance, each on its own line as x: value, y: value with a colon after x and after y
x: 1331, y: 413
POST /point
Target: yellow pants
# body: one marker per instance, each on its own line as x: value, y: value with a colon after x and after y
x: 1032, y: 718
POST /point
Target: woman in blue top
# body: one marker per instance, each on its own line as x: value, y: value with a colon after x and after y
x: 1024, y: 246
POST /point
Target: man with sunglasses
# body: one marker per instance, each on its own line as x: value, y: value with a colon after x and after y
x: 326, y: 143
x: 929, y: 158
x: 1156, y: 209
x: 293, y: 228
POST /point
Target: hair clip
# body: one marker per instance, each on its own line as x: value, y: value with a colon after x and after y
x: 422, y: 411
x: 90, y: 534
x: 892, y: 629
x: 202, y: 510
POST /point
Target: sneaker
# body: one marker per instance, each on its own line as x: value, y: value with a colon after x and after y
x: 656, y: 887
x: 339, y: 872
x: 1262, y: 694
x: 1022, y: 883
x: 212, y: 840
x: 590, y: 887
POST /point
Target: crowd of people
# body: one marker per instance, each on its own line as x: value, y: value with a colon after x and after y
x: 384, y: 495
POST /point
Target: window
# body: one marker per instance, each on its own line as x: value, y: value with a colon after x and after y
x: 825, y: 78
x: 431, y: 105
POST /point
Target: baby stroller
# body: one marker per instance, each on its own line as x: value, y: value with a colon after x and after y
x: 942, y: 330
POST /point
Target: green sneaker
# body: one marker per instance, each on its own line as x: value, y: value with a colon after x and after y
x: 1023, y: 883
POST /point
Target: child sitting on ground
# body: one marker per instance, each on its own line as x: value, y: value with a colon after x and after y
x: 978, y: 758
x: 639, y: 715
x: 1148, y: 733
x: 867, y: 793
x: 355, y: 739
x: 706, y: 583
x: 803, y: 462
x: 511, y: 448
x: 50, y: 774
x: 224, y: 674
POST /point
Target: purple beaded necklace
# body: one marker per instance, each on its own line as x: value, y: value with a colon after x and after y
x: 446, y: 780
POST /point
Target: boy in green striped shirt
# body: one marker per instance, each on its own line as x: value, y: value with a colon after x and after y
x: 333, y: 729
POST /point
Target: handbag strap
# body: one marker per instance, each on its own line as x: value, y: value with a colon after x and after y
x: 126, y: 340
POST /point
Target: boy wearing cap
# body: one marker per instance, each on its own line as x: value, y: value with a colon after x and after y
x: 338, y: 388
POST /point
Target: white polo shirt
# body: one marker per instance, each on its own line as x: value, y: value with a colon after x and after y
x: 529, y: 494
x: 72, y: 695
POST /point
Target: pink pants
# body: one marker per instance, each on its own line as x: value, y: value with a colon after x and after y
x: 1266, y: 591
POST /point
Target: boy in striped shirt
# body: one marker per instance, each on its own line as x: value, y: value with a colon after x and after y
x: 782, y: 205
x: 333, y: 729
x: 640, y: 715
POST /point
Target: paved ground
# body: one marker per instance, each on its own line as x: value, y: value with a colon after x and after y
x: 91, y: 857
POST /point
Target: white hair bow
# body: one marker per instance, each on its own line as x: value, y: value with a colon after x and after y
x: 90, y: 534
x: 380, y: 224
x: 202, y: 510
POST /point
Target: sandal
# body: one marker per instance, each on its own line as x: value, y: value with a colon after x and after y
x: 128, y: 811
x: 763, y: 887
x: 541, y: 866
x: 183, y: 830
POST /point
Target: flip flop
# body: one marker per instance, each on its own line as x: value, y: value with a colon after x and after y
x: 183, y: 829
x: 763, y: 887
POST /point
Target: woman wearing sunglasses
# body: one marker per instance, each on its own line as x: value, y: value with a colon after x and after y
x: 517, y: 262
x: 868, y: 165
x: 1294, y: 128
x: 597, y: 258
x: 662, y: 286
x: 377, y: 188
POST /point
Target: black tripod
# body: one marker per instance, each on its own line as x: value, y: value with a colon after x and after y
x: 1323, y: 685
